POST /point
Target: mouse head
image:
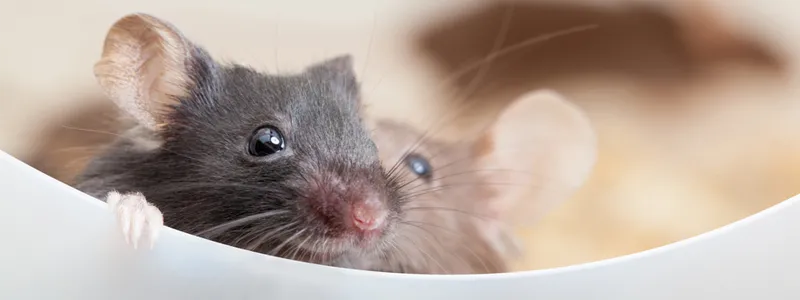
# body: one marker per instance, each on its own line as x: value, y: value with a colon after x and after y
x: 461, y: 197
x: 269, y: 163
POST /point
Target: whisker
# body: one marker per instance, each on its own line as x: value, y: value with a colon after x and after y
x: 126, y: 138
x: 418, y: 193
x: 410, y: 195
x: 94, y: 131
x: 371, y: 38
x: 394, y: 251
x: 498, y: 42
x: 377, y: 84
x: 470, y: 157
x: 77, y: 148
x: 408, y: 259
x: 277, y: 40
x: 482, y: 62
x: 241, y: 221
x: 177, y: 186
x: 294, y: 236
x: 485, y: 64
x: 437, y: 241
x: 260, y: 241
x: 463, y: 244
x: 324, y: 243
x: 250, y: 235
x: 314, y: 251
x: 516, y: 47
x: 481, y: 171
x: 404, y: 185
x: 449, y: 209
x: 300, y: 246
x: 419, y: 249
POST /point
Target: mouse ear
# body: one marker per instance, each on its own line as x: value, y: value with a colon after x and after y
x: 546, y: 149
x: 338, y: 70
x: 341, y: 65
x: 147, y: 66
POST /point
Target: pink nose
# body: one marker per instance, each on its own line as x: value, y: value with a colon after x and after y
x: 368, y: 215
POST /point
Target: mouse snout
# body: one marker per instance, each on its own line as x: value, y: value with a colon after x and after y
x: 368, y: 215
x: 351, y: 209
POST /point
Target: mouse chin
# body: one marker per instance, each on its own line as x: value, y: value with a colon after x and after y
x: 329, y: 250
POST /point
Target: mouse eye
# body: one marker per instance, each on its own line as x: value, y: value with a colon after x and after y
x: 265, y: 141
x: 419, y: 165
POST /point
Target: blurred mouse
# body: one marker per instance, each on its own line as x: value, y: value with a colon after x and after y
x: 284, y: 164
x: 465, y: 196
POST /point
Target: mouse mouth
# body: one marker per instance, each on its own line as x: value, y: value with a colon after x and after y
x: 325, y: 250
x: 328, y: 246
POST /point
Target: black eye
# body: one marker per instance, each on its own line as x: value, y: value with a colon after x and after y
x: 419, y: 165
x: 265, y: 141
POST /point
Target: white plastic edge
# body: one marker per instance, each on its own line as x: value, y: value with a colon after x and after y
x: 59, y: 243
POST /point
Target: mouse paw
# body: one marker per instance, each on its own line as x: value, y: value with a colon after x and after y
x: 136, y: 217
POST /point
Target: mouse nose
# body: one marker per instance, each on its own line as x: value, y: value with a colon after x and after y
x: 368, y: 215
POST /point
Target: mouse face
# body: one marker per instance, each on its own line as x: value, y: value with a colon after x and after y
x: 461, y: 198
x: 444, y: 209
x: 283, y: 165
x: 291, y: 147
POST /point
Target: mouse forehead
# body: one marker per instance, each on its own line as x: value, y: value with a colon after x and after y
x: 326, y: 121
x: 395, y: 139
x: 318, y: 117
x: 280, y: 99
x: 249, y: 92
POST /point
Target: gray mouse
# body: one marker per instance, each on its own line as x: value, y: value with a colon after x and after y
x: 284, y: 164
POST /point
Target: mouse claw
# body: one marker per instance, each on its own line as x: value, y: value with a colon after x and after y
x: 135, y: 230
x: 156, y: 221
x: 136, y: 217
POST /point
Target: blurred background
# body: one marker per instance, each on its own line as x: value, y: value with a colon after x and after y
x: 695, y: 101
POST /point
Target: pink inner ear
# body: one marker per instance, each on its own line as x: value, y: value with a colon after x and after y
x: 142, y: 66
x: 549, y: 147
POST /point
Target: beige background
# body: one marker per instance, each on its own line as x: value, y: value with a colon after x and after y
x: 681, y: 152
